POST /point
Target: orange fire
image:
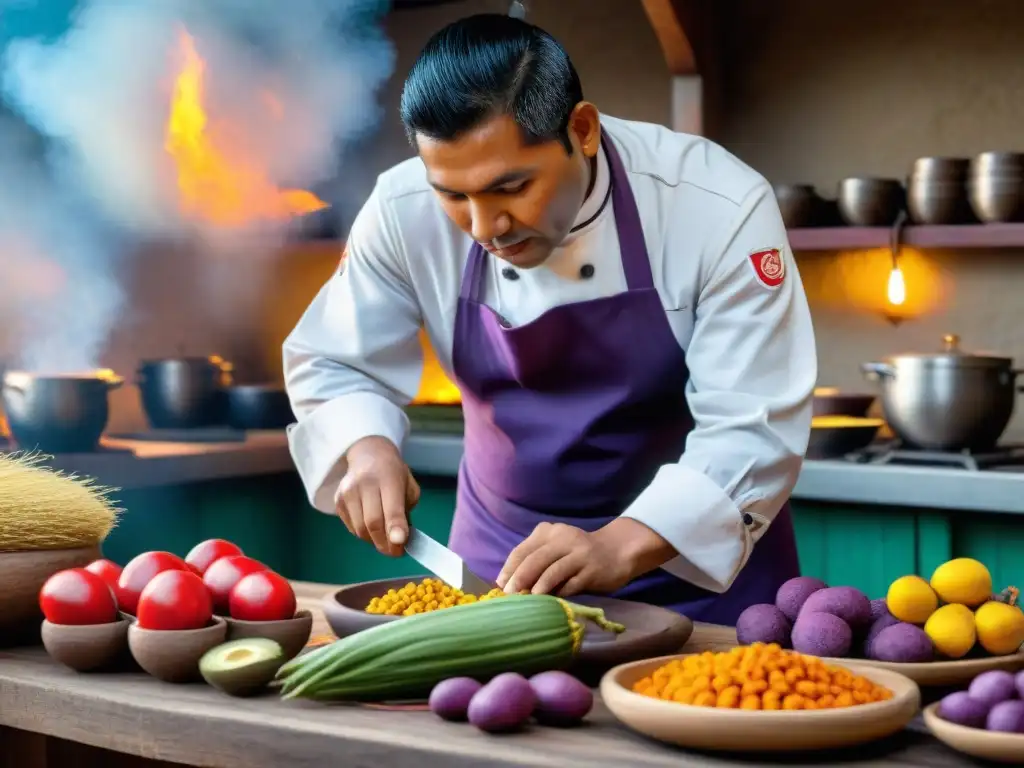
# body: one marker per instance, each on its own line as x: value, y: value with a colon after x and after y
x: 214, y: 184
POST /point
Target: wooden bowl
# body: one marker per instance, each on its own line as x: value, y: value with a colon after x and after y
x: 291, y: 634
x: 986, y: 745
x: 934, y: 674
x: 87, y: 647
x: 650, y: 630
x: 736, y: 730
x: 22, y: 575
x: 173, y: 655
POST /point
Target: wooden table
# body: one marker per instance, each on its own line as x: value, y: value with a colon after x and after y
x: 52, y: 717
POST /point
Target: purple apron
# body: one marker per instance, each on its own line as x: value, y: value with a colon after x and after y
x: 569, y: 417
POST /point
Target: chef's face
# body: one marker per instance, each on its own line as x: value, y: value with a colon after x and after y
x: 518, y: 201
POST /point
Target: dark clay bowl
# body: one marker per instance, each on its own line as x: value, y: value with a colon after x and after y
x: 173, y: 655
x: 842, y: 403
x: 291, y: 634
x: 650, y: 630
x: 832, y: 442
x: 87, y: 647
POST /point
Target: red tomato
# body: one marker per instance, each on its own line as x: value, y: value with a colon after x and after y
x: 77, y: 596
x: 205, y: 553
x: 139, y: 572
x: 224, y: 573
x: 175, y: 599
x: 262, y: 596
x: 107, y: 570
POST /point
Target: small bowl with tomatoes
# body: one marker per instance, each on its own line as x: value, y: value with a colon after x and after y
x: 83, y: 628
x: 253, y: 599
x: 174, y: 626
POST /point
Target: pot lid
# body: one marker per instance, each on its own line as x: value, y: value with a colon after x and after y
x: 953, y: 355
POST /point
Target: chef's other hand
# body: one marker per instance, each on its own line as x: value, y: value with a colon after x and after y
x: 376, y: 494
x: 565, y: 560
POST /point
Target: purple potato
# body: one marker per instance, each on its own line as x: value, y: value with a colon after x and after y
x: 884, y: 621
x: 961, y: 709
x: 992, y: 687
x: 1020, y: 684
x: 794, y: 593
x: 763, y: 623
x: 450, y: 698
x: 848, y: 603
x: 1006, y: 717
x: 821, y: 634
x: 504, y: 704
x: 561, y: 698
x: 879, y: 608
x: 902, y: 643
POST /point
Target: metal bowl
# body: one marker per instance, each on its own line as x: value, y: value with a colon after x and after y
x: 997, y: 163
x: 997, y: 198
x: 937, y: 201
x: 799, y: 204
x: 940, y: 168
x: 870, y: 202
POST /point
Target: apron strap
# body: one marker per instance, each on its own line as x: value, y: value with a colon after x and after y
x: 636, y: 264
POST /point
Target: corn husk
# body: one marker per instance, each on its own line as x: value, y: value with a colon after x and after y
x: 42, y: 508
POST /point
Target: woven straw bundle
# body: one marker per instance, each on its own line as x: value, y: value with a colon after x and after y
x: 44, y: 509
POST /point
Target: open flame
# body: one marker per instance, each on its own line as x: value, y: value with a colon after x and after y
x: 214, y: 184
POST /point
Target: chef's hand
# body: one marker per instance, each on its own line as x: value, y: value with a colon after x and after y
x: 376, y: 494
x: 565, y: 560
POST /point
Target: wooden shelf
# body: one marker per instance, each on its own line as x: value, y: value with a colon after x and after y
x: 960, y: 236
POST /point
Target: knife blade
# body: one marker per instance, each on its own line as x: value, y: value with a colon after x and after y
x: 443, y: 563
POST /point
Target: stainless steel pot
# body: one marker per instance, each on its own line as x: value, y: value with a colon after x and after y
x: 184, y: 392
x: 58, y: 414
x: 949, y: 400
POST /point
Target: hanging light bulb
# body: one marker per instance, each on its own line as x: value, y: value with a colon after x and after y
x: 896, y: 290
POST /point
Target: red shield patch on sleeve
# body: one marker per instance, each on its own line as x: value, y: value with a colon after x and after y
x: 769, y: 267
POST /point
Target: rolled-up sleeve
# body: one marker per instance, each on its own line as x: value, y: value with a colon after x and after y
x: 753, y: 367
x: 354, y: 359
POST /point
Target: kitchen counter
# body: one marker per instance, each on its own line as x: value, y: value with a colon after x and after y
x: 131, y: 464
x: 51, y: 716
x: 999, y: 491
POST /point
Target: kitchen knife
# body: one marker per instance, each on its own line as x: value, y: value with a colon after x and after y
x: 444, y: 563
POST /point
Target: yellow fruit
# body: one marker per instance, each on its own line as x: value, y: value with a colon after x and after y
x: 910, y: 599
x: 1000, y: 627
x: 963, y: 580
x: 952, y: 630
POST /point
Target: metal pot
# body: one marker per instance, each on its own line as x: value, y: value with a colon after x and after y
x: 58, y: 414
x: 947, y: 401
x: 184, y: 392
x: 258, y: 406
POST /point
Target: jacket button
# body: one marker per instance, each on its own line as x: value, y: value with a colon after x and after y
x: 748, y: 520
x: 587, y: 271
x: 509, y: 274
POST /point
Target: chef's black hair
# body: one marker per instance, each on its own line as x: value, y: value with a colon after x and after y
x: 490, y: 64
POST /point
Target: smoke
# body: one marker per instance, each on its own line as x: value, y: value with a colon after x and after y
x: 287, y: 84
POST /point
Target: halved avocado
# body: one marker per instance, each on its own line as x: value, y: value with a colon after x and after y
x: 242, y: 667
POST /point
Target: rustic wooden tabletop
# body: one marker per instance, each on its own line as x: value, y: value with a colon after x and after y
x: 134, y: 715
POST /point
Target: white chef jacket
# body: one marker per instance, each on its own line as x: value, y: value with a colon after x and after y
x: 354, y: 359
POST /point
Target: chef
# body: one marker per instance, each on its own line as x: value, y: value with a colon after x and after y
x: 621, y: 311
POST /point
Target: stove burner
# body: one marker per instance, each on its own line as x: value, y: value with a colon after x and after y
x: 896, y: 453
